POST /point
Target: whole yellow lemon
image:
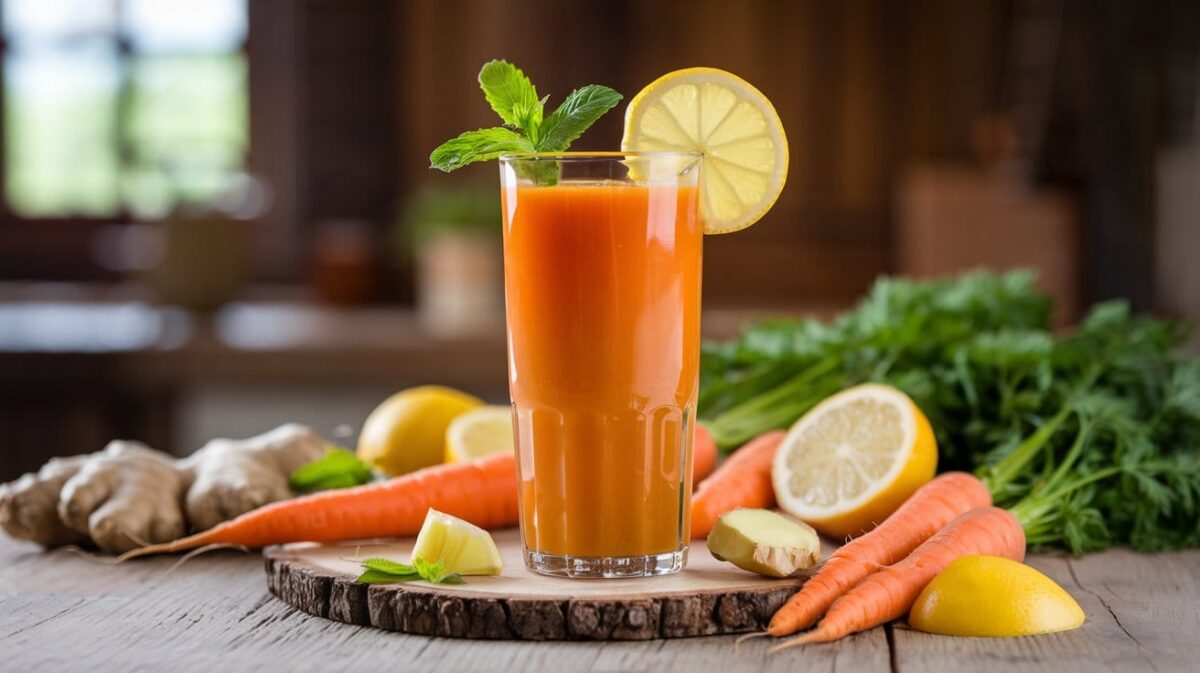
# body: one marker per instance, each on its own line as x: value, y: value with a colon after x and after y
x: 408, y: 430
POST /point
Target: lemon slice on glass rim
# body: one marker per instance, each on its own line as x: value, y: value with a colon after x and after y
x: 735, y: 127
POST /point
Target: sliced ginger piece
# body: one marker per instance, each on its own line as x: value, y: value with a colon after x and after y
x: 764, y: 542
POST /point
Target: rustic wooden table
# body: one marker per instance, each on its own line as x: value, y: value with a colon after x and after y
x: 61, y: 612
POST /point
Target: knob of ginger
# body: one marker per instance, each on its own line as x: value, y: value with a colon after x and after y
x: 124, y: 497
x: 129, y: 495
x: 234, y: 476
x: 764, y: 542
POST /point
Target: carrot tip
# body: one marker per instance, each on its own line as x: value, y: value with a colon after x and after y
x: 88, y: 555
x: 204, y: 550
x: 749, y: 636
x: 812, y: 637
x: 143, y: 551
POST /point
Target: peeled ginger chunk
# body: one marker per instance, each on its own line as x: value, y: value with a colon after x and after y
x: 764, y: 542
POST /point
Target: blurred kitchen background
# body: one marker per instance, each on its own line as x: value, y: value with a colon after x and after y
x: 217, y: 215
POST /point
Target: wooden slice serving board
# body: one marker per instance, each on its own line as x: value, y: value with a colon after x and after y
x: 707, y: 597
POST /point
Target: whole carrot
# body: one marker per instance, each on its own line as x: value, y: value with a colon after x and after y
x: 744, y: 480
x: 483, y: 492
x: 890, y: 593
x: 704, y: 454
x: 925, y: 513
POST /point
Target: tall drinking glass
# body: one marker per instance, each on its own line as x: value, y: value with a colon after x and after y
x: 602, y: 287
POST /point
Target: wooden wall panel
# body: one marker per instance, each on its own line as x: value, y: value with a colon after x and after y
x: 862, y: 86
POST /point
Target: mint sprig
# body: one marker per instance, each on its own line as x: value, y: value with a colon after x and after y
x: 511, y: 94
x: 385, y: 571
x: 481, y: 145
x: 338, y: 468
x: 527, y: 128
x: 581, y: 108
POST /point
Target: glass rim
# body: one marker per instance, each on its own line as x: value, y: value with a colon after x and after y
x: 599, y: 156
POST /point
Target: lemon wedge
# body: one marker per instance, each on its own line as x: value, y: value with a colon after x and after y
x: 734, y: 126
x: 478, y: 433
x: 854, y: 459
x: 407, y: 431
x: 465, y: 548
x: 994, y: 597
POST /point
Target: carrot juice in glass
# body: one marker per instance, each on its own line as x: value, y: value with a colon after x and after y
x: 602, y: 258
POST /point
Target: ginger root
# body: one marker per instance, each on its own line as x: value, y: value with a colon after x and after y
x: 764, y: 542
x: 129, y: 495
x: 233, y: 477
x: 124, y: 497
x: 29, y: 505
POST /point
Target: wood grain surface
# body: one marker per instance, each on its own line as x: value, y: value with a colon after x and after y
x: 61, y: 612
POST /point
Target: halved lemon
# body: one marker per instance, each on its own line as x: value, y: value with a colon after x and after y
x: 465, y: 548
x: 478, y: 433
x: 854, y: 459
x: 732, y: 124
x: 992, y: 596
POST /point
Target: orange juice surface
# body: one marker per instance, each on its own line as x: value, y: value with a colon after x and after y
x: 603, y: 299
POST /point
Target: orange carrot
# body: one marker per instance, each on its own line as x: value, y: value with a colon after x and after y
x: 929, y: 509
x: 704, y: 454
x: 744, y: 480
x: 890, y: 593
x: 483, y: 492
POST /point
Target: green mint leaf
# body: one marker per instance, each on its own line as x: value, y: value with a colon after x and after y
x: 481, y: 145
x: 515, y: 99
x: 333, y: 482
x: 421, y: 565
x: 578, y: 111
x: 430, y: 572
x: 338, y: 468
x: 437, y: 569
x: 384, y: 571
x: 435, y: 572
x: 511, y: 95
x: 387, y: 566
x: 377, y: 577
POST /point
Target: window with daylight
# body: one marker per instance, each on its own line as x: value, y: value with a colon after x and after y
x: 121, y: 107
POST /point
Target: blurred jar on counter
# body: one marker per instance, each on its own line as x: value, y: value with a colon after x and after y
x: 343, y: 261
x: 191, y: 251
x: 455, y: 238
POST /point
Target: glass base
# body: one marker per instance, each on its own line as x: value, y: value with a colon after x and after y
x: 598, y: 567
